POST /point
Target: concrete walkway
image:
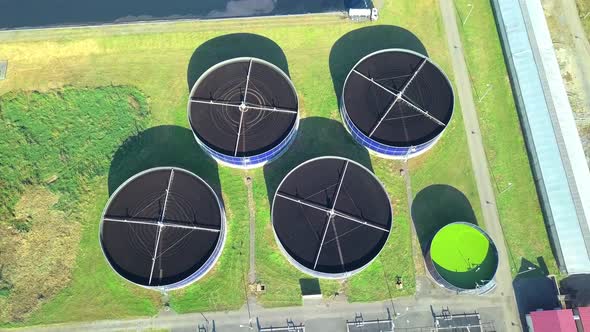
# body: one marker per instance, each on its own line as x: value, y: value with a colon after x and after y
x: 252, y: 215
x: 408, y: 312
x: 480, y: 164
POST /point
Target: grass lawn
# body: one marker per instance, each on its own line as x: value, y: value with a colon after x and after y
x: 584, y: 12
x: 224, y: 287
x: 95, y: 291
x: 443, y: 184
x: 162, y: 60
x: 516, y: 195
x: 395, y: 259
x: 65, y: 147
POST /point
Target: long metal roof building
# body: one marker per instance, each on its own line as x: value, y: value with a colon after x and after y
x: 554, y: 145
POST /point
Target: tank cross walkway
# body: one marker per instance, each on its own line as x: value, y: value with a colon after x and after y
x: 243, y: 112
x: 396, y: 103
x: 328, y: 211
x: 399, y: 96
x: 331, y: 221
x: 243, y: 107
x: 161, y: 223
x: 248, y: 106
x: 336, y: 235
x: 166, y: 223
x: 150, y: 233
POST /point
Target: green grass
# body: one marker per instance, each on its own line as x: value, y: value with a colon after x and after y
x: 280, y: 278
x: 443, y: 184
x: 377, y: 281
x: 59, y: 136
x: 95, y: 292
x: 516, y: 195
x: 224, y: 288
x: 584, y: 10
x: 318, y: 50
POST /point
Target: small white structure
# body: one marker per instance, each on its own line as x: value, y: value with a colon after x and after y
x: 363, y: 14
x: 3, y: 69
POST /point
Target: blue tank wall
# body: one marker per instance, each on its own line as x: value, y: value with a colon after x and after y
x: 382, y: 149
x: 252, y: 161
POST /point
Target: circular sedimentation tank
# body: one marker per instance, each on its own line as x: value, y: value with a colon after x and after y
x: 396, y: 103
x: 331, y: 217
x: 164, y: 228
x: 244, y: 112
x: 463, y: 257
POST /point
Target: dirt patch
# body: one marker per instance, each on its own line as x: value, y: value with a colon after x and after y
x: 134, y: 103
x: 572, y: 60
x: 584, y: 14
x: 585, y: 134
x: 36, y: 263
x: 575, y: 91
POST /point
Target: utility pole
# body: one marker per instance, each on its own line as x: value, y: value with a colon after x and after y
x: 470, y: 5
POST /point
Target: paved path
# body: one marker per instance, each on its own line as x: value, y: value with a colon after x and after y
x: 479, y: 162
x: 252, y: 213
x: 419, y: 264
x: 408, y: 312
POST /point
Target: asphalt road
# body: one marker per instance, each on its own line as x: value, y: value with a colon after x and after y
x: 321, y: 316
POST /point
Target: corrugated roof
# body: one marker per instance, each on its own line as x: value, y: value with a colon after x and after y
x: 552, y: 147
x: 585, y: 317
x: 554, y: 321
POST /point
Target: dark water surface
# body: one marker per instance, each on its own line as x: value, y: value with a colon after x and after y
x: 43, y: 13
